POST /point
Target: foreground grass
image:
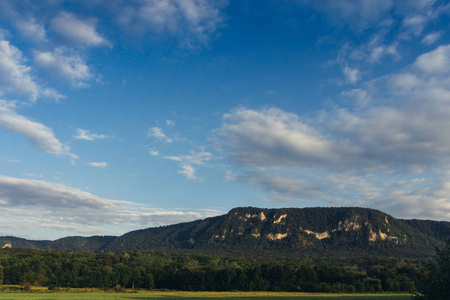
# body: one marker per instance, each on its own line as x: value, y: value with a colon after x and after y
x: 92, y: 294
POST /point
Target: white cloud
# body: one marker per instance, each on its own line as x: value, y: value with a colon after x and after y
x: 415, y: 23
x: 32, y: 30
x: 352, y: 75
x: 79, y: 32
x: 170, y: 123
x: 397, y: 136
x: 16, y: 78
x: 83, y: 134
x: 157, y: 133
x: 432, y: 38
x: 361, y: 97
x: 377, y: 52
x: 15, y: 75
x: 436, y: 61
x: 186, y: 163
x: 418, y: 198
x: 39, y: 135
x: 358, y: 14
x: 7, y: 106
x: 154, y: 153
x: 52, y: 94
x: 353, y: 59
x: 191, y: 21
x: 196, y: 158
x: 98, y: 164
x: 189, y: 172
x: 43, y: 208
x: 67, y: 64
x: 272, y: 137
x: 47, y: 194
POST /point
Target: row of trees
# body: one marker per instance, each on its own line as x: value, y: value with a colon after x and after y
x: 436, y: 282
x: 206, y: 273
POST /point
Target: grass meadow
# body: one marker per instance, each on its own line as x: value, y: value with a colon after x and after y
x: 108, y: 295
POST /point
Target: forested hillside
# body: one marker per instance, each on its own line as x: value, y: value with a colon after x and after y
x: 78, y: 243
x: 15, y: 242
x: 292, y: 231
x: 255, y: 232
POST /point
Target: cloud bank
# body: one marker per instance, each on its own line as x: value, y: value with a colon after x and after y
x: 37, y: 206
x: 393, y: 154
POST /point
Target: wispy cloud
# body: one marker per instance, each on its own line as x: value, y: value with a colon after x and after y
x: 98, y: 164
x: 415, y: 23
x: 383, y: 28
x: 187, y: 162
x: 67, y: 63
x: 157, y: 133
x: 77, y: 31
x: 189, y: 172
x: 352, y: 75
x: 192, y: 22
x: 432, y: 38
x: 15, y: 76
x: 32, y: 30
x: 359, y: 14
x: 83, y: 134
x: 153, y: 152
x: 61, y: 39
x: 375, y: 50
x: 38, y: 134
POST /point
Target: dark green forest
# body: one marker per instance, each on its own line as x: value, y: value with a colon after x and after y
x: 194, y: 272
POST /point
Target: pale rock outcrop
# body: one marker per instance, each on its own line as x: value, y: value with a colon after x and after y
x: 276, y: 236
x: 277, y: 221
x: 319, y: 235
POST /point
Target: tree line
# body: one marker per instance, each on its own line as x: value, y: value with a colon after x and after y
x: 194, y: 272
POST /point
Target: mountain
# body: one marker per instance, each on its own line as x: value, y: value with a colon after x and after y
x: 287, y: 231
x: 15, y: 242
x: 82, y: 244
x: 292, y: 231
x: 437, y: 229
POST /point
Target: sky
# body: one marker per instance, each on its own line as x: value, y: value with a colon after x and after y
x: 127, y: 114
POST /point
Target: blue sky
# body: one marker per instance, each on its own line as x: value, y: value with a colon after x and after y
x: 121, y: 115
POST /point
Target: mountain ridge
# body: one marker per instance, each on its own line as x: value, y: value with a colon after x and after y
x: 286, y: 231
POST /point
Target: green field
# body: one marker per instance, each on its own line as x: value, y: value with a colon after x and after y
x: 193, y: 296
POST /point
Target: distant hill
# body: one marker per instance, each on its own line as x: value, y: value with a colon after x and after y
x: 258, y: 231
x: 437, y: 229
x: 82, y: 244
x: 14, y: 242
